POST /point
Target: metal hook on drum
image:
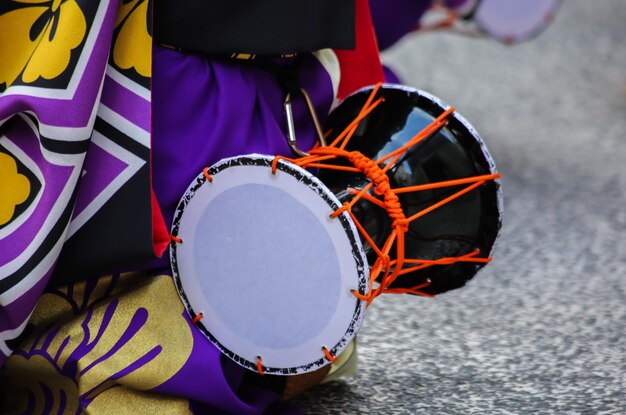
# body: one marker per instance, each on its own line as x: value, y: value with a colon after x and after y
x: 291, y: 129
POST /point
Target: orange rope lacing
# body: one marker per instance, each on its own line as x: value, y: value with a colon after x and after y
x: 197, y: 318
x: 259, y: 365
x: 328, y: 355
x: 206, y: 174
x: 176, y: 239
x: 384, y: 269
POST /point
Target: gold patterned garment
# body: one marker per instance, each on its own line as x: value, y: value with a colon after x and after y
x: 101, y: 345
x: 124, y: 344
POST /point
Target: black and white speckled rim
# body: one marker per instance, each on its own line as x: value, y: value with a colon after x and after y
x: 467, y: 131
x: 358, y: 255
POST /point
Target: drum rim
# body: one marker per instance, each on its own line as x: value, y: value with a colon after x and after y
x: 526, y: 36
x: 358, y: 256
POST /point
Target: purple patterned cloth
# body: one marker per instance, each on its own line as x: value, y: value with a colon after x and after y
x: 48, y: 108
x: 74, y: 132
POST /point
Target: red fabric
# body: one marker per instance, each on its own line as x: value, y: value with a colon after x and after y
x: 160, y: 235
x: 360, y: 67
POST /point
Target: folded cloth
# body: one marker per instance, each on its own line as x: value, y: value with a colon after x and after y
x: 74, y: 130
x: 124, y: 344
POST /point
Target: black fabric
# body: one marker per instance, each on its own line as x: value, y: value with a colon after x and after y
x: 119, y: 235
x: 270, y: 27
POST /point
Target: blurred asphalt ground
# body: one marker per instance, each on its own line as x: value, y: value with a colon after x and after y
x: 541, y: 330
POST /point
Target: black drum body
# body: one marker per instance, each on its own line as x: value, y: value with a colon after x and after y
x: 468, y: 223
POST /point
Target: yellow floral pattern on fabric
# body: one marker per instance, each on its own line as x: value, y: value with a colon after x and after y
x: 37, y: 37
x: 14, y: 188
x: 94, y: 345
x: 132, y: 47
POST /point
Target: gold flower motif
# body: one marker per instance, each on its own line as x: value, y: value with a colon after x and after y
x: 37, y: 37
x: 57, y: 385
x: 133, y: 44
x: 14, y: 188
x: 95, y: 345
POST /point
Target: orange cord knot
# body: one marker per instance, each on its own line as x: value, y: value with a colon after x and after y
x: 394, y: 208
x: 382, y: 188
x: 403, y: 224
x: 371, y: 170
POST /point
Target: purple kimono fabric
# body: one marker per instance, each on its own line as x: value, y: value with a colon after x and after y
x: 48, y: 108
x: 205, y: 110
x: 393, y: 19
x: 87, y: 117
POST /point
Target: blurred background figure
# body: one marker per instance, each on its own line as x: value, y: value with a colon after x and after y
x: 507, y: 21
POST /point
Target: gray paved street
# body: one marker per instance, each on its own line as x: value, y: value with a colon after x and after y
x: 543, y: 328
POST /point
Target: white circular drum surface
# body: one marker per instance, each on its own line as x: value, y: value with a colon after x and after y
x: 271, y: 273
x: 515, y: 20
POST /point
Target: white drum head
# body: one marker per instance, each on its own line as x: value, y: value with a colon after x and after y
x: 514, y: 21
x: 267, y: 267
